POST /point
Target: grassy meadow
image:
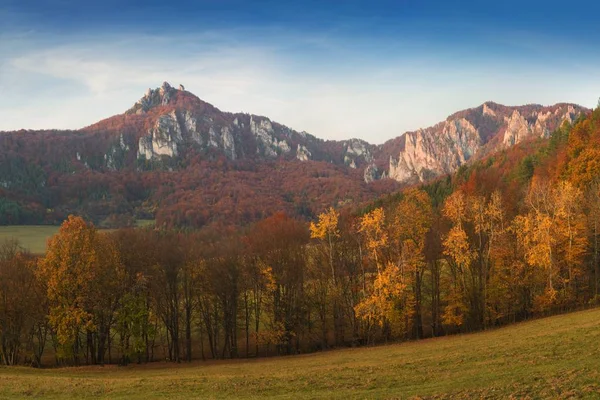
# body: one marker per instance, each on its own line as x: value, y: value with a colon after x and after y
x: 34, y: 237
x: 31, y: 237
x: 556, y: 357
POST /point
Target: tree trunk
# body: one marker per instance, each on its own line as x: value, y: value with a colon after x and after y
x: 188, y: 332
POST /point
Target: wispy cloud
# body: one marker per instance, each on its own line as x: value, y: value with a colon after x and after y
x: 331, y: 86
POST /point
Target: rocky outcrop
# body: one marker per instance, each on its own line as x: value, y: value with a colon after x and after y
x: 468, y: 134
x: 222, y: 139
x: 155, y: 97
x: 357, y: 152
x: 302, y: 153
x: 115, y: 157
x: 517, y: 129
x: 434, y: 152
x: 370, y: 173
x: 267, y: 143
x: 191, y: 127
x: 536, y: 125
x: 162, y: 139
x: 488, y: 111
x: 228, y: 142
x: 207, y: 128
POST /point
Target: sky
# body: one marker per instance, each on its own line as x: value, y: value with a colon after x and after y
x: 337, y: 69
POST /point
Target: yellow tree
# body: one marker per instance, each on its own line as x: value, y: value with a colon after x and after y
x: 68, y: 271
x: 534, y: 233
x: 387, y: 297
x: 395, y: 298
x: 81, y: 269
x: 553, y: 236
x: 460, y: 255
x: 593, y: 212
x: 570, y: 229
x: 371, y: 307
x: 487, y: 218
x: 326, y: 230
x: 372, y: 226
x: 412, y: 222
x: 497, y: 240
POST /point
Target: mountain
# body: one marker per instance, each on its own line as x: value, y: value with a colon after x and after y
x: 166, y: 122
x: 180, y: 160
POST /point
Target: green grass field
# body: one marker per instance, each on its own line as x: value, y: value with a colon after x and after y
x: 557, y: 357
x: 31, y: 237
x: 34, y: 237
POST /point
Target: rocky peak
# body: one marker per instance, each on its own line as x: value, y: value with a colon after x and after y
x: 517, y: 129
x: 538, y: 123
x: 487, y: 110
x: 165, y: 88
x: 155, y: 97
x: 355, y: 149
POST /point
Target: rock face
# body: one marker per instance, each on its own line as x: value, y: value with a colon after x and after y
x: 356, y: 149
x: 153, y: 98
x: 371, y: 173
x: 302, y: 153
x: 267, y: 143
x: 162, y: 139
x: 435, y: 151
x: 468, y: 134
x: 186, y: 120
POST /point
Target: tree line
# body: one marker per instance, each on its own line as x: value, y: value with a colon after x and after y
x: 429, y: 261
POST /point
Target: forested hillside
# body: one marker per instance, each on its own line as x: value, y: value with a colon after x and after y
x: 512, y: 236
x: 177, y: 159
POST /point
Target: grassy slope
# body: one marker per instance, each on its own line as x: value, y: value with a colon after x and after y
x: 557, y: 357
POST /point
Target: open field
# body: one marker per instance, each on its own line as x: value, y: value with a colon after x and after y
x: 34, y: 237
x: 557, y: 357
x: 31, y: 237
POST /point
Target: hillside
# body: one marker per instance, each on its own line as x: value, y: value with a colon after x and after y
x: 545, y: 358
x: 177, y: 159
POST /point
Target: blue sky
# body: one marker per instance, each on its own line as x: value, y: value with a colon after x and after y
x: 337, y: 69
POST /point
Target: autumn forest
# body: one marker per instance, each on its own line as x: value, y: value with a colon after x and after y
x: 507, y: 238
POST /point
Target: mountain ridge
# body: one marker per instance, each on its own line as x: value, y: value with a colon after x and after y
x: 383, y: 160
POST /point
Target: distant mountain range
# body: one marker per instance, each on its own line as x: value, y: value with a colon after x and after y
x: 180, y: 160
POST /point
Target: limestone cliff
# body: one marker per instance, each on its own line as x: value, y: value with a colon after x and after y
x: 468, y: 134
